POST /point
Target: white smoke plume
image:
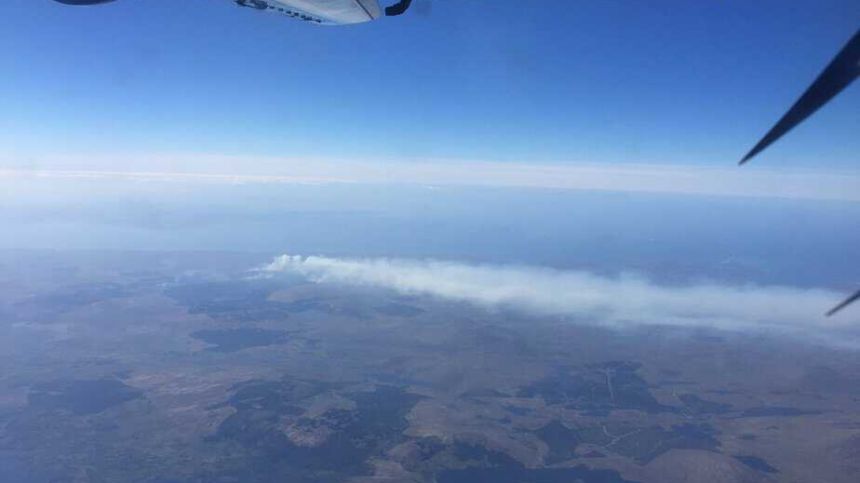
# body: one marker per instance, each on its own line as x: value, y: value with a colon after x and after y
x: 619, y: 301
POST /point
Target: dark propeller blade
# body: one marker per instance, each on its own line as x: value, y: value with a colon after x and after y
x: 844, y: 303
x: 398, y: 8
x: 843, y: 69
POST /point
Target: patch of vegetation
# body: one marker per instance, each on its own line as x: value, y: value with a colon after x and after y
x: 72, y: 297
x: 399, y: 310
x: 579, y: 474
x: 756, y: 463
x: 478, y: 455
x: 375, y: 424
x: 82, y: 397
x: 598, y: 389
x: 232, y: 340
x: 645, y: 444
x: 778, y: 411
x: 487, y: 466
x: 562, y: 441
x: 696, y: 405
x: 243, y: 300
x: 329, y: 306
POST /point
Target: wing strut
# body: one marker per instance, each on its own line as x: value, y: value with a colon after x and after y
x: 843, y: 69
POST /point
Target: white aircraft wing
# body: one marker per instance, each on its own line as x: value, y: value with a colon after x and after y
x: 324, y: 12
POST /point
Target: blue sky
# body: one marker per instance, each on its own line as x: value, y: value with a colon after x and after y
x: 535, y: 81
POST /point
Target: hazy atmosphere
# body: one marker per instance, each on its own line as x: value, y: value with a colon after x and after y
x: 500, y: 242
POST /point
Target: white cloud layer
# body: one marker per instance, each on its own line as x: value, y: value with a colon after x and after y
x: 623, y: 301
x: 728, y: 180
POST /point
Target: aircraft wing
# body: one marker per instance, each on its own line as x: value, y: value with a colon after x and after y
x: 323, y: 12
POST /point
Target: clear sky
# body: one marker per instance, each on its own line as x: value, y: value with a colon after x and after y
x: 537, y: 81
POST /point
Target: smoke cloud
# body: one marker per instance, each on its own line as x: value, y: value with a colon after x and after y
x: 625, y: 300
